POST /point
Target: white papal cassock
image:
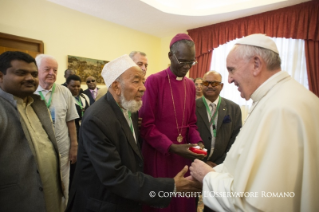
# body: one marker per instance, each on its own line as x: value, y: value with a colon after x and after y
x: 275, y: 154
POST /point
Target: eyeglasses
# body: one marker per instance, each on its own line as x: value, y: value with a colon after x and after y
x: 207, y: 83
x: 190, y: 64
x: 89, y: 81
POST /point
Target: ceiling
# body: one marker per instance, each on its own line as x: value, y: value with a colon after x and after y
x: 142, y: 17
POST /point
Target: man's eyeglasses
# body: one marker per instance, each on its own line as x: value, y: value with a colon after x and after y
x: 206, y: 83
x: 190, y: 64
x: 89, y: 81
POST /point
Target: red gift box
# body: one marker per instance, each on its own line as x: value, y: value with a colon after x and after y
x: 198, y: 150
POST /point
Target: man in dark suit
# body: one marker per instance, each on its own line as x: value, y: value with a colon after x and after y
x: 92, y: 90
x: 219, y: 133
x: 109, y: 174
x: 29, y: 158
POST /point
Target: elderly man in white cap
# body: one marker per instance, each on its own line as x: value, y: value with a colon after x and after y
x: 274, y: 163
x: 109, y: 174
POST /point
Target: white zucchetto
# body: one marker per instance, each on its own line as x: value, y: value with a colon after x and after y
x: 259, y: 40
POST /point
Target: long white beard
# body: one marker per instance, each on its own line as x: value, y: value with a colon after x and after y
x: 131, y: 105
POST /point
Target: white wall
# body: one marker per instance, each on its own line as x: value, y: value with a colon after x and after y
x: 69, y: 32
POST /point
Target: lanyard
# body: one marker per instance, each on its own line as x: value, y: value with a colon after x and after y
x: 48, y: 104
x: 212, y: 120
x: 80, y: 104
x: 129, y: 116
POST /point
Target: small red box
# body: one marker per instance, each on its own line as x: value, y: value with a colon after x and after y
x: 197, y: 150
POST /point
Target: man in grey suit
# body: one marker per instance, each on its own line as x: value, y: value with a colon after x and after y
x: 29, y: 160
x: 218, y: 127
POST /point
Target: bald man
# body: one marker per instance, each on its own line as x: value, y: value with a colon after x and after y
x: 219, y: 133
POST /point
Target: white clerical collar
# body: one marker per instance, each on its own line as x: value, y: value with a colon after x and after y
x: 173, y: 75
x: 267, y: 85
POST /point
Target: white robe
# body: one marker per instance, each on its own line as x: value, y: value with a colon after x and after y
x: 277, y: 151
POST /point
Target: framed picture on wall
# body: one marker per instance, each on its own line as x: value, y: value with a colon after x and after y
x: 85, y: 67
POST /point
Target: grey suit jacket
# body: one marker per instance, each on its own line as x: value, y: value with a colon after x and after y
x: 20, y: 183
x: 228, y: 125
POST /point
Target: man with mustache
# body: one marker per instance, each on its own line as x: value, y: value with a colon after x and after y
x: 273, y: 164
x: 29, y: 158
x: 218, y: 120
x: 109, y: 174
x: 61, y: 104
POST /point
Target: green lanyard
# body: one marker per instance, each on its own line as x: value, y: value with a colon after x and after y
x: 80, y: 104
x: 129, y: 116
x: 212, y: 120
x: 48, y: 104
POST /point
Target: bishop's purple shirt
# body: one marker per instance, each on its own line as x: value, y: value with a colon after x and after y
x: 159, y: 129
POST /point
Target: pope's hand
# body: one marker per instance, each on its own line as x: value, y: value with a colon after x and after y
x: 199, y: 169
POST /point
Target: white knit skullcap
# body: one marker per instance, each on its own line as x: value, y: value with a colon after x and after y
x: 112, y: 70
x: 259, y: 40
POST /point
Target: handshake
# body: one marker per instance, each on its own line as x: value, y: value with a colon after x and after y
x: 192, y: 183
x: 198, y: 169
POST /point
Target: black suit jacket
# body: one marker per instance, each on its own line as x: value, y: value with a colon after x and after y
x: 88, y: 93
x: 228, y: 125
x: 109, y: 173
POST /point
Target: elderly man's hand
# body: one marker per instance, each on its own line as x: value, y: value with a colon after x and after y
x: 186, y: 184
x: 73, y: 153
x: 199, y: 169
x: 182, y: 150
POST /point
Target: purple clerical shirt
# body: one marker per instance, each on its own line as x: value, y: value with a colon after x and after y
x: 159, y: 129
